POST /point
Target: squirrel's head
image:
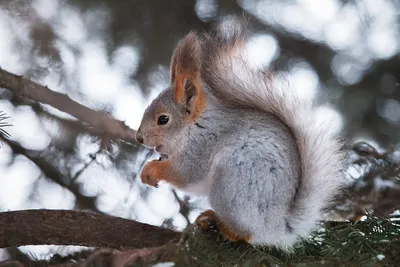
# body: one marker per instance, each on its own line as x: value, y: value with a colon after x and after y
x: 179, y: 105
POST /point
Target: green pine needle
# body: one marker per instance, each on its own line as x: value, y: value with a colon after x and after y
x: 371, y: 242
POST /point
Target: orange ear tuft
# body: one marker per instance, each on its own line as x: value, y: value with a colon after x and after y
x: 185, y: 75
x: 185, y: 66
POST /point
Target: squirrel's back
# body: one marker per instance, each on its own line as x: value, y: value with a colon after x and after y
x: 231, y: 79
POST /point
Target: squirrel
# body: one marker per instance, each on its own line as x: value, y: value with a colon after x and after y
x: 227, y: 131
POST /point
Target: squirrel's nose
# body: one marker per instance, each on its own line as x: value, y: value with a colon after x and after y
x: 139, y: 138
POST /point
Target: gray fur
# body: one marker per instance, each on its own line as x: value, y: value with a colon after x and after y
x: 268, y: 167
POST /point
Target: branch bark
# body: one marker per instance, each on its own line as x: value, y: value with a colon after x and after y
x: 64, y: 227
x: 99, y: 119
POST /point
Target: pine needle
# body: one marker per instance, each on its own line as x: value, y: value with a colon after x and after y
x: 3, y: 124
x: 371, y: 242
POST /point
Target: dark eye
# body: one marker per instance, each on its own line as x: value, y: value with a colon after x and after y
x: 163, y: 119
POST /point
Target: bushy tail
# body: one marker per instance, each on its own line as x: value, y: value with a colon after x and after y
x: 230, y: 77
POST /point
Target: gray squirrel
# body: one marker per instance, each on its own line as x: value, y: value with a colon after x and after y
x: 227, y: 131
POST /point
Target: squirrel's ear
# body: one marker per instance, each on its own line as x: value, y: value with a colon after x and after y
x: 185, y: 74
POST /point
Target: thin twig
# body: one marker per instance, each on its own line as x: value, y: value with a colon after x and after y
x: 183, y: 207
x: 53, y: 174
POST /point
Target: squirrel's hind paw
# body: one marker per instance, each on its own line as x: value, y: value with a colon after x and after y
x: 209, y: 220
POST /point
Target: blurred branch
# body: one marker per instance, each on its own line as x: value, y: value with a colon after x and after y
x: 376, y: 190
x: 102, y: 257
x: 84, y: 168
x: 20, y: 258
x: 52, y: 173
x: 106, y: 257
x: 102, y: 121
x: 183, y: 207
x: 14, y: 264
x: 72, y: 126
x: 62, y: 227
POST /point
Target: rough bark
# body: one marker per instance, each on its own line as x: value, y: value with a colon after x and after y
x: 64, y: 227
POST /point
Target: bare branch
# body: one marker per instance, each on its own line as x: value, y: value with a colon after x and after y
x: 106, y: 257
x: 52, y: 173
x: 19, y: 257
x: 99, y: 119
x: 183, y: 207
x: 11, y: 264
x: 63, y: 227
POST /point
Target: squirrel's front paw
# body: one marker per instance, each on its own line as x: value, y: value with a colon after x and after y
x: 209, y: 220
x: 147, y: 179
x: 148, y: 175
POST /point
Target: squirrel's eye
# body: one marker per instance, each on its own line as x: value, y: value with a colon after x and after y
x: 163, y: 119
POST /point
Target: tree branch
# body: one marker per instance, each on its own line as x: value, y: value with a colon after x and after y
x: 64, y: 227
x: 99, y: 119
x: 105, y: 257
x: 53, y: 174
x: 19, y: 257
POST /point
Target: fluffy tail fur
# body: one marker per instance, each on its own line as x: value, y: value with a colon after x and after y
x: 231, y: 78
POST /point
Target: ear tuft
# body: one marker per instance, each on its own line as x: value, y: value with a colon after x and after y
x: 185, y: 65
x: 185, y: 75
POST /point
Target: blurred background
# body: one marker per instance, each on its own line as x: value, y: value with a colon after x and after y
x: 114, y: 56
